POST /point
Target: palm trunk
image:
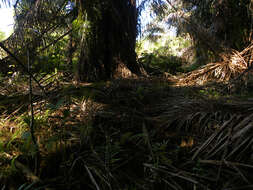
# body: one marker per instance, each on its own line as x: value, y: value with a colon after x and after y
x: 71, y: 48
x: 110, y: 40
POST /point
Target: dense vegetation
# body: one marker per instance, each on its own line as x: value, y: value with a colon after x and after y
x: 90, y: 98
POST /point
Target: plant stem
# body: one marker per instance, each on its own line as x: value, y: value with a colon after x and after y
x: 32, y: 117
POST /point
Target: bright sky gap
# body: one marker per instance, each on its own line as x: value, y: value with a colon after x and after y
x: 6, y: 20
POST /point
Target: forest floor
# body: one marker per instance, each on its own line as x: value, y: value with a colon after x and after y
x: 146, y: 133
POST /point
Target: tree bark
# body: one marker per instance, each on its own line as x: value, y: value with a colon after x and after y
x: 71, y: 48
x: 110, y: 39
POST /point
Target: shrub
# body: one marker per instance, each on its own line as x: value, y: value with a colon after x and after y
x: 170, y: 63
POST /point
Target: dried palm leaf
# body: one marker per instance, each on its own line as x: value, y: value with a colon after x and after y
x: 234, y: 65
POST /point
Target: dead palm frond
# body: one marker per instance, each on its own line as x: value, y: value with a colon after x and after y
x: 231, y: 141
x: 233, y: 67
x: 222, y: 136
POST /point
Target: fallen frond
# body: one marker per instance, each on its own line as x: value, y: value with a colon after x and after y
x: 232, y: 67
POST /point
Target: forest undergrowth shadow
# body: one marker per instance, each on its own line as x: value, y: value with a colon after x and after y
x: 132, y: 134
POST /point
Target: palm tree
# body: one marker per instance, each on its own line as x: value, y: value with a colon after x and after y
x: 108, y: 40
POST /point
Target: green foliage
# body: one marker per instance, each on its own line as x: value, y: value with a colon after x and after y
x: 12, y: 139
x: 165, y: 54
x: 167, y: 44
x: 229, y: 21
x: 39, y: 120
x: 2, y: 35
x: 52, y: 59
x: 171, y: 64
x: 210, y: 93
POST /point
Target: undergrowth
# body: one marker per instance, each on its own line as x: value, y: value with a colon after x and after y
x: 128, y: 134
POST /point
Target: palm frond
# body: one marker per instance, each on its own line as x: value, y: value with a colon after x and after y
x: 235, y: 66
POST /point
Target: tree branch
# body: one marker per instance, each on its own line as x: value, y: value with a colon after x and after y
x: 23, y: 66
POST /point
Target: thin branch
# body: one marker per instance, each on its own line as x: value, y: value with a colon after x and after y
x: 55, y: 41
x: 32, y: 115
x: 23, y: 66
x: 15, y: 5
